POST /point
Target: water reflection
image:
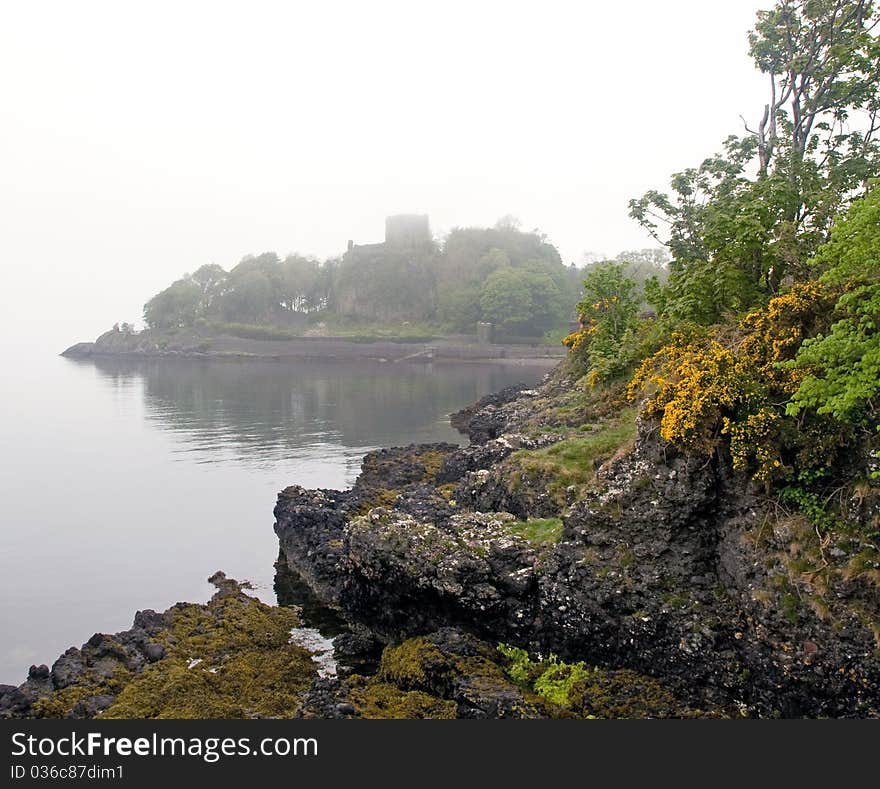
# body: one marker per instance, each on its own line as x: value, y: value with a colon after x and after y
x: 132, y: 481
x: 264, y: 410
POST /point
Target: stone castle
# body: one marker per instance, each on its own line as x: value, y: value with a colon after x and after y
x: 401, y: 231
x: 405, y: 258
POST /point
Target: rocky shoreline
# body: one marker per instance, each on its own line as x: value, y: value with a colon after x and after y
x: 664, y: 565
x: 200, y: 344
x: 567, y: 563
x: 236, y: 657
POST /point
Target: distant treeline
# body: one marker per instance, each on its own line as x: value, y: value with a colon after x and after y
x: 513, y: 279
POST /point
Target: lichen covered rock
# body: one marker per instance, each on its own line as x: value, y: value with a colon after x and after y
x: 229, y: 658
x: 665, y: 567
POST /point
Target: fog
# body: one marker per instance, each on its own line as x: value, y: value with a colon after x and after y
x: 139, y: 141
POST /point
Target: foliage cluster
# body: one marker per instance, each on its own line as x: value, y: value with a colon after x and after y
x: 257, y: 290
x: 607, y: 316
x: 796, y: 383
x: 765, y: 343
x: 746, y: 221
x: 538, y: 531
x: 513, y: 279
x: 734, y: 383
x: 549, y: 677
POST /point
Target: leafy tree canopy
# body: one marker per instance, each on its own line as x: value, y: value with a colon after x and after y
x: 844, y: 365
x: 747, y: 220
x: 176, y: 306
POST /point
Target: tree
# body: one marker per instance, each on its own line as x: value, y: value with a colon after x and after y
x: 508, y: 222
x: 460, y: 309
x: 608, y: 315
x: 656, y: 258
x: 211, y: 280
x: 522, y: 299
x: 647, y: 268
x: 609, y: 303
x: 737, y: 237
x: 174, y: 307
x: 387, y: 284
x: 298, y: 281
x: 506, y: 299
x: 843, y: 366
x: 550, y: 309
x: 822, y: 63
x: 471, y: 255
x: 251, y: 297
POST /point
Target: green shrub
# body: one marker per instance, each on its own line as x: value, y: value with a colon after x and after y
x: 549, y: 677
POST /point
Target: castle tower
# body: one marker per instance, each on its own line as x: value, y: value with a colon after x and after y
x: 407, y: 230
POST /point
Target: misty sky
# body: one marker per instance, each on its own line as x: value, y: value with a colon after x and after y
x: 139, y: 141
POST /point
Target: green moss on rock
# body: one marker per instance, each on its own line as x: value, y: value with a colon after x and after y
x: 382, y: 700
x: 590, y: 692
x: 229, y: 659
x: 623, y: 694
x: 414, y: 664
x: 379, y: 497
x: 572, y: 462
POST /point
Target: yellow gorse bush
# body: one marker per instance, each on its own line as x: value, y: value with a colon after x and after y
x: 733, y: 386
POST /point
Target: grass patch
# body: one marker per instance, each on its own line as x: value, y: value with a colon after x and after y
x: 406, y: 331
x: 538, y: 531
x: 574, y: 460
x: 253, y: 331
x: 580, y: 405
x: 353, y: 332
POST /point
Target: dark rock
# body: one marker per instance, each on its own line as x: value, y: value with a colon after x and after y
x: 485, y: 419
x: 452, y: 664
x: 40, y: 672
x: 68, y: 669
x: 327, y: 699
x: 80, y: 350
x: 357, y: 645
x: 15, y: 702
x: 105, y: 664
x: 657, y: 572
x: 154, y: 652
x: 93, y: 705
x: 486, y: 455
x: 150, y: 622
x: 500, y: 490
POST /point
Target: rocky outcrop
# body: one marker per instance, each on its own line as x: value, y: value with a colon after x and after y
x: 446, y: 674
x: 189, y: 662
x: 487, y: 419
x: 668, y: 566
x: 237, y: 657
x: 449, y: 673
x: 95, y: 663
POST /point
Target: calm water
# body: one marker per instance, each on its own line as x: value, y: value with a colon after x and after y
x: 126, y: 484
